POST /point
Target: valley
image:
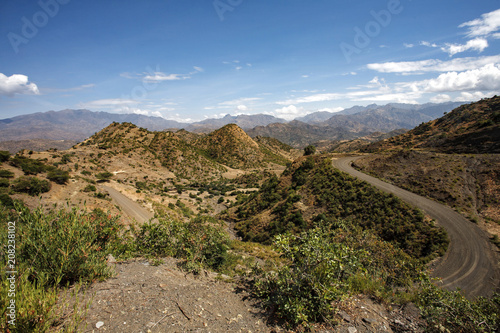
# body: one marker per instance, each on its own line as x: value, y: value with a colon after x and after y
x: 294, y: 239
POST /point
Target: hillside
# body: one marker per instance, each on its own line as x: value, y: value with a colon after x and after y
x: 344, y: 252
x: 470, y: 128
x: 311, y: 190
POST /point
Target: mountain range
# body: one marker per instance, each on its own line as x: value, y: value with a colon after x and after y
x: 352, y: 123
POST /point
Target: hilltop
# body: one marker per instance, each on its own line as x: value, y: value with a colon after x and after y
x: 231, y: 146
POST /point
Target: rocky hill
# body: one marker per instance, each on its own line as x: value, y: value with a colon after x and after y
x: 470, y: 128
x: 231, y: 146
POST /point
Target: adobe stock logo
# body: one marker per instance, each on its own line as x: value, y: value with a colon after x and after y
x: 30, y: 28
x: 223, y: 6
x: 363, y: 37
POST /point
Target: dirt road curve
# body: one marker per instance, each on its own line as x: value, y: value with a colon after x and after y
x: 470, y: 263
x: 129, y: 207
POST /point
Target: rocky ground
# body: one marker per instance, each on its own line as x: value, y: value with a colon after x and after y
x: 149, y: 299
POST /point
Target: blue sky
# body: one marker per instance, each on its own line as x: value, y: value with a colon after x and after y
x: 190, y: 60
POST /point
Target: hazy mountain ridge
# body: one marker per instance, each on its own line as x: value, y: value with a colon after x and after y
x: 352, y: 123
x: 470, y: 128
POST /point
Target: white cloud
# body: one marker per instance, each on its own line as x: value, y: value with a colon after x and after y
x: 311, y: 98
x: 239, y: 101
x: 408, y: 46
x: 242, y: 107
x: 337, y: 109
x: 434, y: 65
x: 478, y: 44
x: 485, y: 25
x: 289, y: 112
x: 198, y: 69
x: 17, y: 84
x: 441, y: 98
x: 110, y: 102
x: 470, y: 97
x: 160, y: 76
x: 486, y: 78
x: 428, y: 44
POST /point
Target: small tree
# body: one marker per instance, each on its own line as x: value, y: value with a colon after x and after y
x: 104, y: 176
x: 4, y: 156
x: 58, y: 176
x: 309, y: 150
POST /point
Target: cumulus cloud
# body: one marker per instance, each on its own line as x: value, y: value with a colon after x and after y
x: 478, y: 44
x: 485, y: 78
x: 17, y: 84
x: 485, y: 25
x: 469, y: 97
x: 434, y: 65
x: 441, y: 98
x: 471, y: 84
x: 290, y: 112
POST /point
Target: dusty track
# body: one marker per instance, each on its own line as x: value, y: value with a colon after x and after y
x: 470, y: 263
x: 129, y: 207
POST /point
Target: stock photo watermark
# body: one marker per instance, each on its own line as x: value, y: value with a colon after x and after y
x: 30, y: 27
x: 11, y: 273
x: 223, y: 6
x: 363, y: 36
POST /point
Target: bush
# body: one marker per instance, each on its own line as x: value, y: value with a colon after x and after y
x: 104, y: 176
x: 90, y: 188
x: 4, y: 182
x: 4, y: 156
x: 309, y: 150
x: 6, y: 201
x: 331, y: 262
x: 53, y: 249
x: 6, y: 174
x: 66, y: 247
x: 200, y: 242
x: 28, y: 165
x: 31, y: 185
x: 452, y: 312
x: 58, y: 176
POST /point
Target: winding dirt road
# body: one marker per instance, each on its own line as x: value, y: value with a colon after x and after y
x: 129, y: 207
x: 470, y: 263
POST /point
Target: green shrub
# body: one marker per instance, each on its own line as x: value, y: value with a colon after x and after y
x: 86, y: 172
x: 29, y: 166
x: 303, y: 291
x: 4, y: 182
x: 200, y: 242
x: 54, y: 248
x: 66, y: 247
x: 58, y: 176
x: 6, y: 201
x: 104, y: 176
x: 4, y: 156
x: 452, y: 312
x: 309, y: 150
x: 90, y: 188
x: 6, y: 174
x: 31, y: 185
